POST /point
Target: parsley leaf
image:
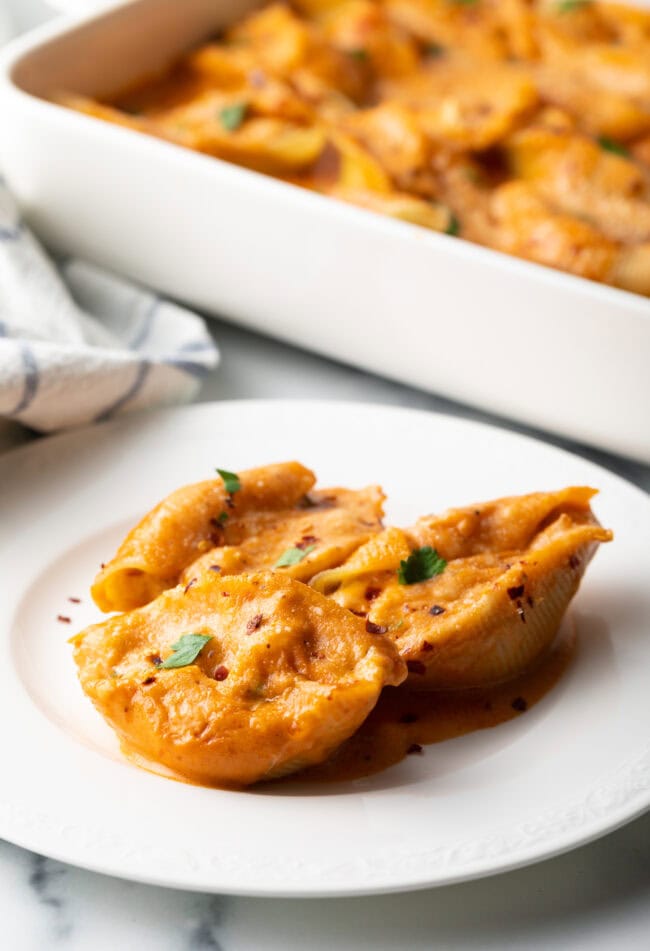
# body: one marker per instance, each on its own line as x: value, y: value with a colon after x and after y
x: 232, y: 116
x: 292, y: 556
x: 453, y: 228
x: 464, y: 3
x: 223, y: 517
x: 421, y: 564
x: 230, y: 480
x: 610, y: 145
x: 186, y: 649
x: 434, y: 50
x: 568, y: 6
x: 360, y: 54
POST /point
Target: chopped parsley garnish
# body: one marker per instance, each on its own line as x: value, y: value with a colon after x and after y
x: 453, y: 228
x: 434, y: 50
x: 292, y: 556
x: 232, y: 116
x: 186, y: 649
x: 568, y: 6
x: 360, y: 54
x: 231, y: 482
x: 464, y: 3
x: 611, y: 145
x: 421, y: 564
x: 223, y: 518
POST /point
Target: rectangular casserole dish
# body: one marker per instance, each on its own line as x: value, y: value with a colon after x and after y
x: 513, y: 338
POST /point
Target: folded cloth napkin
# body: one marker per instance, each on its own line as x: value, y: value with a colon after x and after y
x: 79, y: 345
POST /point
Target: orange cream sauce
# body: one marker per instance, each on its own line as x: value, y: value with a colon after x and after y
x: 404, y: 719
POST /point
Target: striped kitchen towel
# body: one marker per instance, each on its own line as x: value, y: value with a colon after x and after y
x: 79, y: 345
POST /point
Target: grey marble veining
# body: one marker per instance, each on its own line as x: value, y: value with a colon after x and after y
x: 595, y: 898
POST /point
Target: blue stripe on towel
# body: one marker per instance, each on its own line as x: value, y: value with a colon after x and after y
x: 11, y: 234
x: 3, y: 329
x: 145, y: 327
x: 195, y: 346
x: 31, y: 380
x: 141, y: 375
x: 187, y: 366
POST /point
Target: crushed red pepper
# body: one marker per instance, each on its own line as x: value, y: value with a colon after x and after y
x: 375, y: 628
x: 254, y: 623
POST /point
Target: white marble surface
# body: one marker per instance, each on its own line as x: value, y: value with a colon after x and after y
x: 596, y: 897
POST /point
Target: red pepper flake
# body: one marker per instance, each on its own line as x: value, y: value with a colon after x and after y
x: 102, y: 565
x: 574, y: 562
x: 516, y: 592
x: 189, y: 585
x: 372, y: 593
x: 214, y: 568
x: 531, y: 603
x: 375, y: 628
x: 254, y: 623
x: 225, y: 594
x: 229, y: 502
x: 221, y: 672
x: 359, y: 613
x: 305, y: 541
x: 408, y: 718
x: 519, y: 704
x: 75, y: 600
x: 416, y: 667
x: 149, y: 680
x: 414, y: 748
x: 436, y: 610
x: 426, y: 646
x: 64, y: 619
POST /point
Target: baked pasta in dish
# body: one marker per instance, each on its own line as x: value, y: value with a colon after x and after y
x: 521, y: 125
x: 268, y: 617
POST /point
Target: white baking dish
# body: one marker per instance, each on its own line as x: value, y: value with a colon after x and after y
x: 555, y: 351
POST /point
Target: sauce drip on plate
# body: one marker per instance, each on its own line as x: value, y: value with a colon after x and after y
x: 406, y: 721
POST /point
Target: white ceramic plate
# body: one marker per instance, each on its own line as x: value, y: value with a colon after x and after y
x: 574, y: 767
